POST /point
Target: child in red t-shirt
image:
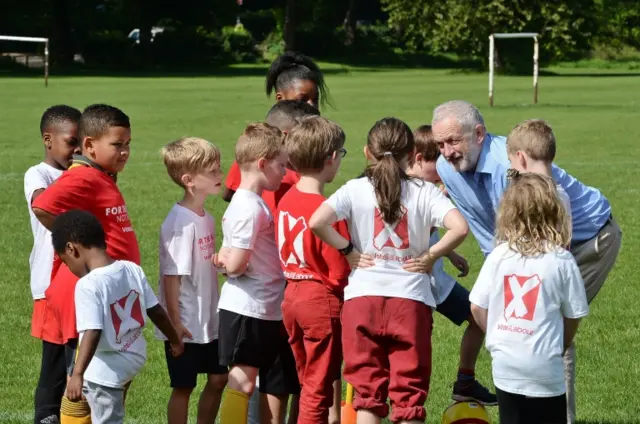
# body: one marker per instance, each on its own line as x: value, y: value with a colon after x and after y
x: 284, y: 115
x: 316, y: 273
x: 89, y: 184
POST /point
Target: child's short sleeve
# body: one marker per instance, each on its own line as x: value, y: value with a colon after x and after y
x: 33, y: 181
x: 481, y: 291
x: 245, y: 228
x: 233, y: 177
x: 574, y: 302
x: 68, y: 192
x: 340, y: 202
x: 438, y: 206
x: 150, y: 299
x: 89, y: 307
x: 177, y: 243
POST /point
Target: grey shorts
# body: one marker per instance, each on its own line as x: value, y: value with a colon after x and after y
x: 596, y: 256
x: 456, y: 307
x: 106, y: 403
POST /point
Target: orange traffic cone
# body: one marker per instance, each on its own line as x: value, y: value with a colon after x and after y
x: 347, y: 413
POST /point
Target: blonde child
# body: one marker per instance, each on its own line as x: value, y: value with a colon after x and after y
x: 529, y: 298
x: 450, y: 296
x: 531, y: 147
x: 188, y: 286
x: 387, y: 316
x: 252, y: 335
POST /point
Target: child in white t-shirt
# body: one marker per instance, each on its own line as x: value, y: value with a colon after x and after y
x: 529, y: 298
x: 387, y: 313
x: 59, y: 131
x: 531, y: 146
x: 451, y: 297
x: 113, y: 300
x: 252, y: 335
x: 188, y: 286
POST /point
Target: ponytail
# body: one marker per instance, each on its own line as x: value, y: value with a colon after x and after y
x: 390, y: 141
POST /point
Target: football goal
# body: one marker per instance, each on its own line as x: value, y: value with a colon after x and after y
x: 45, y: 41
x: 492, y: 48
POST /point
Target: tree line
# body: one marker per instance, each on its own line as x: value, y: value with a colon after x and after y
x: 206, y: 32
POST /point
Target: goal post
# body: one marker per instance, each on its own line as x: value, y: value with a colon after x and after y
x: 492, y: 47
x: 45, y: 41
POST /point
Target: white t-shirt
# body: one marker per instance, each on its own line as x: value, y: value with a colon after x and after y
x: 115, y: 299
x: 258, y: 293
x: 527, y: 299
x: 36, y: 178
x: 424, y: 207
x: 187, y: 242
x: 443, y: 282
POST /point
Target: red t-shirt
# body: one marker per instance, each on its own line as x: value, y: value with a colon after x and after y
x: 271, y: 198
x: 303, y: 256
x: 91, y: 190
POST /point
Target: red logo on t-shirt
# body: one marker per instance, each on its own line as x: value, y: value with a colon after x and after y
x: 521, y: 296
x: 290, y: 239
x: 395, y: 236
x: 126, y: 315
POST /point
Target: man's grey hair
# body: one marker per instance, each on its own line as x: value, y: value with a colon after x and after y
x: 464, y: 112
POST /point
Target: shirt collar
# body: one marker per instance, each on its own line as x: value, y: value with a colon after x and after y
x: 486, y: 162
x: 80, y: 160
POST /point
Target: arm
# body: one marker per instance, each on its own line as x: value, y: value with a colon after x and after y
x: 570, y: 330
x: 236, y: 261
x: 35, y: 195
x: 172, y: 296
x: 160, y: 319
x: 227, y: 194
x: 86, y: 350
x: 480, y: 316
x: 45, y: 218
x: 321, y: 223
x: 457, y: 230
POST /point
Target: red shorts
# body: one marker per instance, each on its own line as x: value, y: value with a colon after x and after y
x: 61, y: 304
x: 44, y: 324
x: 387, y: 353
x: 311, y: 315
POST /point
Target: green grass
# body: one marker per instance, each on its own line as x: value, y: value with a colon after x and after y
x: 595, y: 119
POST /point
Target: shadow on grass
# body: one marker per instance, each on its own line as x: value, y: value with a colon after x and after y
x: 595, y: 74
x: 219, y: 71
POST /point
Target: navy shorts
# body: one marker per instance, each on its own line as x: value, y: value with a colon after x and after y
x: 456, y: 307
x: 196, y: 359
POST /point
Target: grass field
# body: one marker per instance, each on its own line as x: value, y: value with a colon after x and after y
x: 595, y: 118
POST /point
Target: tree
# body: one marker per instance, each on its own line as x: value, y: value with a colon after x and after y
x: 289, y: 25
x: 462, y: 26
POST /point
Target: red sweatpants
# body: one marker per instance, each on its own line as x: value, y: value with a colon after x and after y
x: 387, y: 353
x: 311, y: 314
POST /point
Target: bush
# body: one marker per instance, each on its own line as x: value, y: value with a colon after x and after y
x: 109, y: 49
x: 238, y: 44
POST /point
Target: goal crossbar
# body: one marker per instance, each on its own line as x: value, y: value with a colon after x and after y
x: 34, y: 40
x: 492, y: 39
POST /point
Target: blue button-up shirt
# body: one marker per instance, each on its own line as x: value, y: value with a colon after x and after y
x: 477, y: 194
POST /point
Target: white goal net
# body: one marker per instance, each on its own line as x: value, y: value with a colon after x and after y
x: 45, y: 59
x: 492, y: 48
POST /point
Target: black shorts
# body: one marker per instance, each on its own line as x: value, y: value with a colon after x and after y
x: 456, y: 307
x: 519, y: 409
x: 197, y: 359
x: 261, y: 344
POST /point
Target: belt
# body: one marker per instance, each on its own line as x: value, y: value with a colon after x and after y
x: 580, y: 243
